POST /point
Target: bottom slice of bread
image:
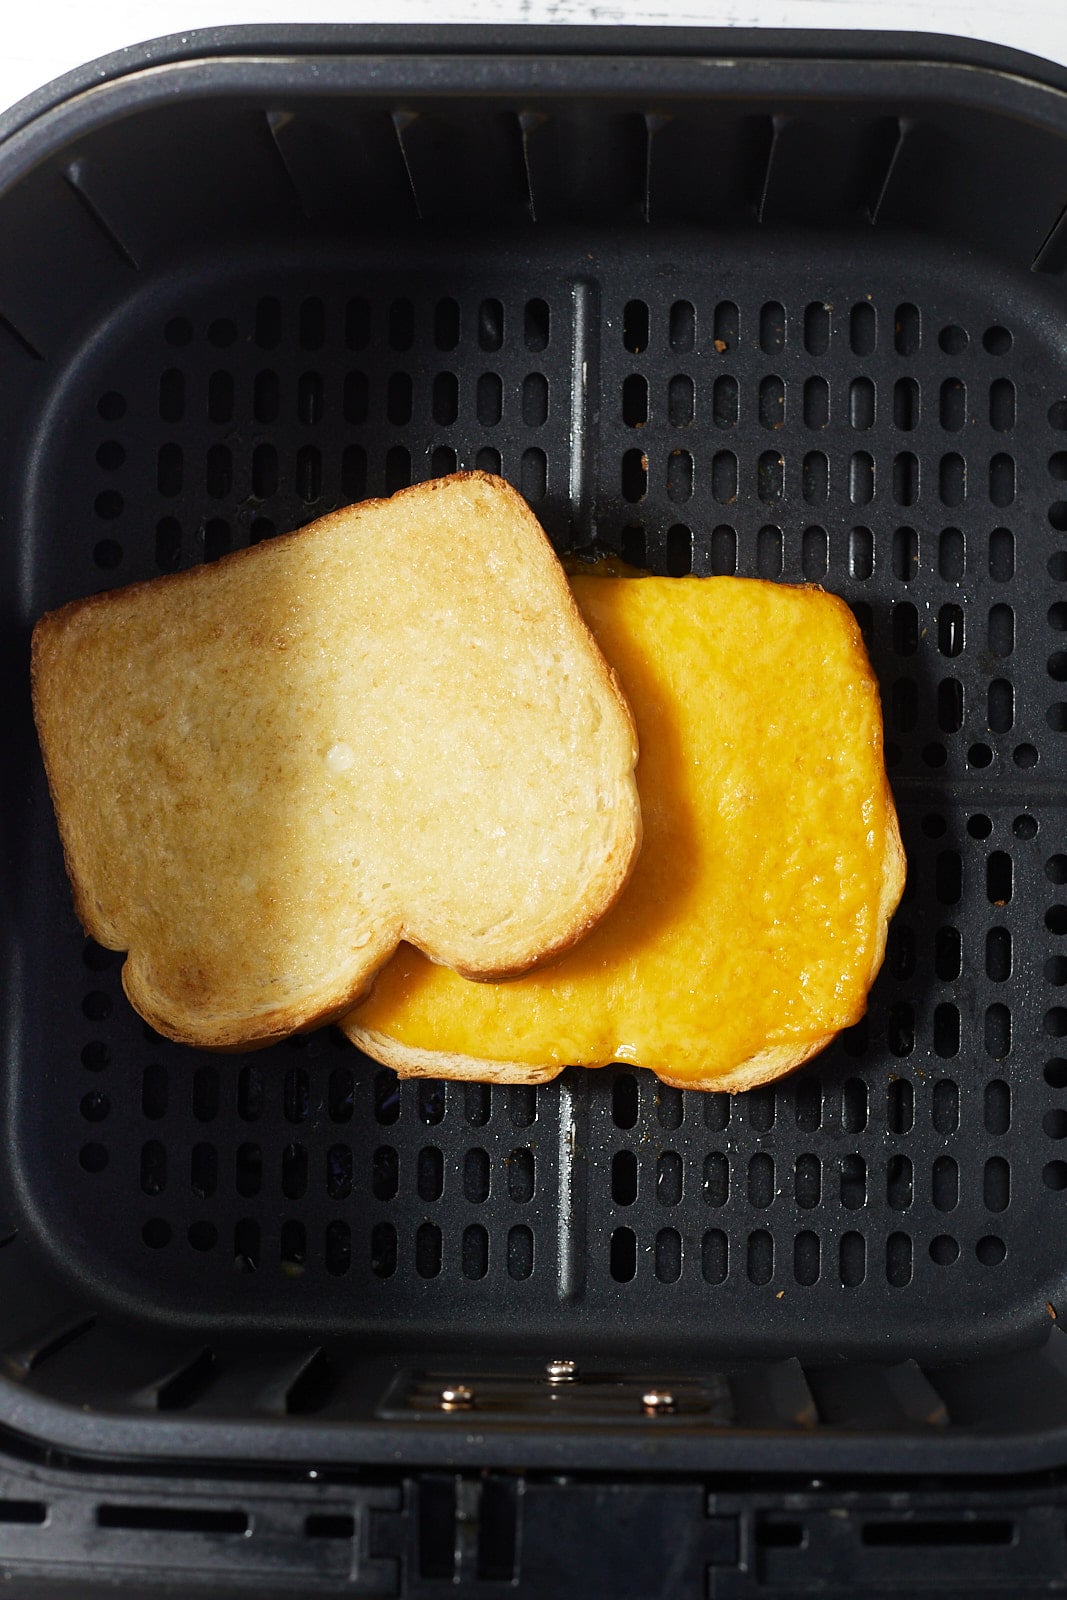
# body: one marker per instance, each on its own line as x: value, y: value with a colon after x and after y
x: 756, y: 919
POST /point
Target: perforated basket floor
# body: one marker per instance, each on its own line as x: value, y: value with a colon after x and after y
x: 877, y: 411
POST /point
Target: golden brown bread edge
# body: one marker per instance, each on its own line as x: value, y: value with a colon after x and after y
x: 765, y: 1067
x: 338, y: 996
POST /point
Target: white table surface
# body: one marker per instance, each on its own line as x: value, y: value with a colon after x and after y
x: 44, y: 38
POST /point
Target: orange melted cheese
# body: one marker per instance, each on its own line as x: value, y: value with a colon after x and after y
x: 755, y: 916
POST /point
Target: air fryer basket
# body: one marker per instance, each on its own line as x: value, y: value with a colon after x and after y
x: 780, y: 316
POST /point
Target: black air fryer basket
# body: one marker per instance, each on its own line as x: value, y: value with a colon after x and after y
x: 783, y: 307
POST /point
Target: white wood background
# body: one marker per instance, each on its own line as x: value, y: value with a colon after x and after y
x: 43, y: 38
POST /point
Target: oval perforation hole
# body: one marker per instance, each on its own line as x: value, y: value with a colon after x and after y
x: 670, y: 1106
x: 309, y: 473
x: 635, y: 400
x: 429, y: 1173
x: 681, y: 402
x: 624, y: 1100
x: 401, y: 325
x: 668, y: 1255
x: 948, y: 877
x: 945, y: 1183
x: 760, y: 1257
x: 444, y: 400
x: 900, y: 955
x: 861, y: 478
x: 806, y: 1258
x: 624, y: 1177
x: 815, y: 478
x: 900, y: 1036
x: 246, y: 1245
x: 772, y: 328
x: 807, y: 1181
x: 771, y: 402
x: 906, y: 404
x: 383, y: 1252
x: 623, y: 1255
x: 476, y: 1176
x: 248, y: 1170
x: 723, y: 552
x: 863, y: 329
x: 724, y: 401
x: 337, y: 1248
x: 808, y: 1105
x: 477, y: 1103
x: 905, y: 554
x: 861, y: 404
x: 860, y: 553
x: 951, y: 555
x: 153, y: 1167
x: 953, y: 405
x: 430, y: 1101
x: 816, y: 403
x: 1002, y: 480
x: 999, y: 878
x: 817, y: 328
x: 490, y: 325
x: 203, y: 1170
x: 205, y: 1094
x: 428, y: 1250
x: 952, y: 479
x: 521, y: 1175
x: 385, y: 1173
x: 946, y: 1030
x: 997, y: 1107
x: 475, y: 1251
x: 522, y: 1104
x: 680, y: 482
x: 769, y: 552
x: 293, y: 1247
x: 853, y: 1181
x: 535, y: 400
x: 761, y: 1180
x: 682, y: 326
x: 725, y: 327
x: 900, y: 1104
x: 634, y: 480
x: 717, y: 1111
x: 339, y: 1171
x: 996, y: 1184
x: 760, y: 1105
x: 724, y: 477
x: 998, y: 1031
x: 907, y: 330
x: 852, y: 1260
x: 635, y: 326
x: 899, y: 1182
x: 898, y: 1260
x: 716, y: 1178
x: 950, y: 705
x: 715, y: 1257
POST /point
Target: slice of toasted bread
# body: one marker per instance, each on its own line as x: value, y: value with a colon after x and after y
x: 756, y: 918
x: 392, y: 724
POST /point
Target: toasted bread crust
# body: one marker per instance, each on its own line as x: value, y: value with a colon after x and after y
x: 130, y: 782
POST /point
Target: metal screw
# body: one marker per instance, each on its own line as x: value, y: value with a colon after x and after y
x: 657, y: 1402
x: 561, y: 1371
x: 457, y: 1398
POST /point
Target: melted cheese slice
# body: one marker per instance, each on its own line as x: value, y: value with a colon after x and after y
x: 755, y: 919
